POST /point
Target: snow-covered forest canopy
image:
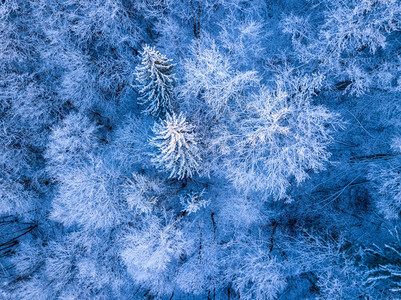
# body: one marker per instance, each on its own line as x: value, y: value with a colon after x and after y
x: 200, y: 149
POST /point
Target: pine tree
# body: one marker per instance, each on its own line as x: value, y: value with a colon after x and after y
x: 177, y: 147
x: 155, y: 80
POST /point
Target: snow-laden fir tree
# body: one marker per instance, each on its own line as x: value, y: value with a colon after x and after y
x: 177, y: 147
x: 155, y: 79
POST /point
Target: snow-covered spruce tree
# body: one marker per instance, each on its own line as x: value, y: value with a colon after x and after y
x: 176, y: 147
x: 155, y: 79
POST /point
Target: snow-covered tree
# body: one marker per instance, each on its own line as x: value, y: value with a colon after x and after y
x: 343, y: 45
x: 193, y: 202
x: 89, y: 196
x: 70, y: 143
x: 258, y: 274
x: 177, y: 147
x: 282, y: 136
x: 151, y: 250
x: 130, y: 141
x: 142, y: 193
x: 200, y: 274
x: 155, y: 79
x: 330, y: 262
x: 211, y: 76
x: 383, y: 264
x: 386, y: 176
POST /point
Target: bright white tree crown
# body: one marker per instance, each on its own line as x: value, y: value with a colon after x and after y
x: 177, y: 147
x: 155, y: 79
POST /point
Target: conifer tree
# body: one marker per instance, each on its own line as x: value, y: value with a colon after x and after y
x: 177, y: 147
x: 155, y: 80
